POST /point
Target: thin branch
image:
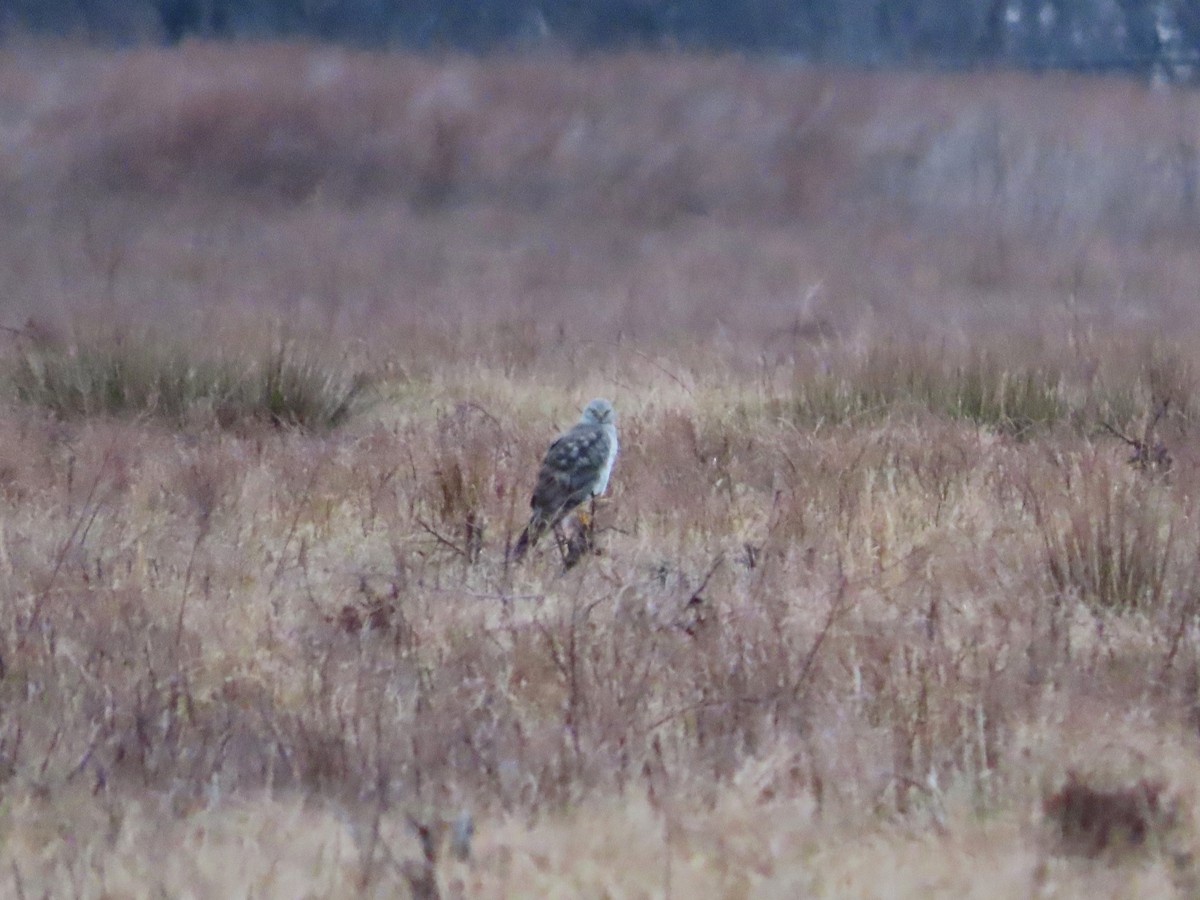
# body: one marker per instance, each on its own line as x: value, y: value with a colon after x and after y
x: 312, y: 480
x: 712, y: 570
x: 441, y: 539
x: 20, y: 886
x: 80, y: 526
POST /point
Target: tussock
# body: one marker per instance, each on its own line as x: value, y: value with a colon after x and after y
x: 878, y: 605
x: 154, y: 376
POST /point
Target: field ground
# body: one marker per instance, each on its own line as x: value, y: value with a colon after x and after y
x: 895, y: 593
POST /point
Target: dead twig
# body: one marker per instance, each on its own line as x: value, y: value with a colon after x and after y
x: 1149, y: 453
x: 442, y: 539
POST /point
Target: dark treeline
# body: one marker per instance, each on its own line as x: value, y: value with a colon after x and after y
x: 1160, y: 37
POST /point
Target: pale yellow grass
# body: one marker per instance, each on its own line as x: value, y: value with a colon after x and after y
x: 865, y: 620
x: 874, y: 694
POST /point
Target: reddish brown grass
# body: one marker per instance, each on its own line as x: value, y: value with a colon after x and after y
x: 879, y: 607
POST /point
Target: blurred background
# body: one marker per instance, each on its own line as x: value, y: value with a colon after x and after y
x: 774, y: 173
x: 1159, y: 37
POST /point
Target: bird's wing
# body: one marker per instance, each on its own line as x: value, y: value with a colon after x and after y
x: 570, y: 469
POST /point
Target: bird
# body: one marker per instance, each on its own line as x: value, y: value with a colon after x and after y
x: 575, y: 468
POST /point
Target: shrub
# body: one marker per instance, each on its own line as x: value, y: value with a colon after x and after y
x: 1090, y: 820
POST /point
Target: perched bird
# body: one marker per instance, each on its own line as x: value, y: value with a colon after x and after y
x: 575, y: 468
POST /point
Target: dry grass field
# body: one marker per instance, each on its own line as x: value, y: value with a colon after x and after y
x: 896, y: 589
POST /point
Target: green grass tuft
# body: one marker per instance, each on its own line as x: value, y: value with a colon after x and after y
x: 980, y: 390
x: 144, y: 376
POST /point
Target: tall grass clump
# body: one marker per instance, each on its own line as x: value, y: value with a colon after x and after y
x: 1007, y: 400
x: 979, y: 389
x: 1110, y: 540
x: 295, y: 388
x: 115, y: 378
x: 163, y: 379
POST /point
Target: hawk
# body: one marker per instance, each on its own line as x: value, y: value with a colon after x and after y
x: 575, y: 468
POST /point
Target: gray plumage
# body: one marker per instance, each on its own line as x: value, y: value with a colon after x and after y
x: 576, y: 467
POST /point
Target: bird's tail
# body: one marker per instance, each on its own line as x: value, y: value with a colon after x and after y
x: 529, y: 536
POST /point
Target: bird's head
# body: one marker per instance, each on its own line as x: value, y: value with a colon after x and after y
x: 598, y: 412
